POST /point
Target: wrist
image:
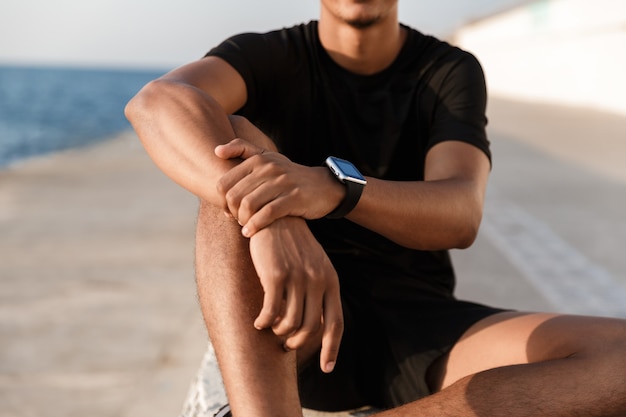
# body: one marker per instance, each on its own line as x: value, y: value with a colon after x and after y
x: 353, y: 182
x: 334, y: 191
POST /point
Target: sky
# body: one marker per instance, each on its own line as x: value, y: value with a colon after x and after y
x: 159, y: 34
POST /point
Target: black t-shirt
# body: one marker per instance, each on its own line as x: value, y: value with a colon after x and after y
x: 383, y: 123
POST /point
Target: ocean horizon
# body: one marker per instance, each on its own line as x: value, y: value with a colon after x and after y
x: 49, y: 109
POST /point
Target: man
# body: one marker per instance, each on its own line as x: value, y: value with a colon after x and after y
x: 290, y: 252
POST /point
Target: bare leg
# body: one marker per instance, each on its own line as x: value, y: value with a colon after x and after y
x: 531, y: 365
x: 259, y: 376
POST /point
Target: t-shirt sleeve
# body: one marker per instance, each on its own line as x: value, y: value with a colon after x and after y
x: 248, y: 54
x: 462, y: 100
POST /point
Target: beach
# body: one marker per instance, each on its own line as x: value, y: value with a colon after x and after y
x: 98, y: 310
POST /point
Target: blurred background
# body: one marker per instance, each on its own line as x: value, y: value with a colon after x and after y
x: 98, y: 313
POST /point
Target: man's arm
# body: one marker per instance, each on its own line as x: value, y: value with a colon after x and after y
x: 181, y: 118
x: 442, y: 212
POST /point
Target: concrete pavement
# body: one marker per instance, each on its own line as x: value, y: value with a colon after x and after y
x: 561, y: 173
x: 98, y: 313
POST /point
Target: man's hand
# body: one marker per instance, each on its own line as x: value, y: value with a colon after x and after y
x: 301, y: 288
x: 267, y: 186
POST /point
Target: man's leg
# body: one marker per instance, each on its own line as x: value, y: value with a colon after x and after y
x: 513, y: 364
x: 259, y: 376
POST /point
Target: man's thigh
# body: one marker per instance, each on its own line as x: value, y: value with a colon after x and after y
x: 513, y: 338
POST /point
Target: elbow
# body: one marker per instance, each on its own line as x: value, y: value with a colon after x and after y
x: 452, y: 235
x: 470, y: 215
x: 144, y: 102
x: 467, y: 238
x: 468, y: 232
x: 152, y: 112
x: 131, y: 109
x: 164, y: 99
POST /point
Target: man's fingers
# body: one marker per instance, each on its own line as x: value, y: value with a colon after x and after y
x: 272, y: 307
x: 237, y: 148
x: 333, y: 330
x: 292, y: 318
x: 265, y: 216
x: 243, y: 190
x: 310, y: 331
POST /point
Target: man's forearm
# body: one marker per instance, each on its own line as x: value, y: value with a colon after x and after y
x: 180, y: 126
x: 423, y: 215
x: 442, y: 212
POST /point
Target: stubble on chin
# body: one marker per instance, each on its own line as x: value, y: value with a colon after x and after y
x: 363, y: 23
x: 358, y: 14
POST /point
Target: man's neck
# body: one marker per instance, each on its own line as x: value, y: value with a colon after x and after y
x: 363, y: 51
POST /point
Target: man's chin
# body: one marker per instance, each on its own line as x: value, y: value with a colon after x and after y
x: 363, y: 23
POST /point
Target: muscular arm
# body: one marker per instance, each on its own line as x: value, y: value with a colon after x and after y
x: 442, y: 212
x: 180, y: 124
x: 181, y: 118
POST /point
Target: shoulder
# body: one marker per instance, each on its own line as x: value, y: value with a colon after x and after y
x: 295, y: 38
x: 262, y: 58
x: 436, y: 59
x: 270, y: 63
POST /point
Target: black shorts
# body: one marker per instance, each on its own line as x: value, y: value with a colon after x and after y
x: 394, y: 331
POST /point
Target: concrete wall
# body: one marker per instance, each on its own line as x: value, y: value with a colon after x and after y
x: 560, y: 51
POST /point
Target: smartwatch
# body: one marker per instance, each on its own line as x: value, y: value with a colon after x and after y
x: 354, y: 181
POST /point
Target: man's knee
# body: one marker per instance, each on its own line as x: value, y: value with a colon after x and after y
x: 208, y: 213
x: 213, y: 223
x: 219, y: 241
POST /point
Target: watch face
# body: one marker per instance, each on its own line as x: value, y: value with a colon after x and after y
x: 345, y: 170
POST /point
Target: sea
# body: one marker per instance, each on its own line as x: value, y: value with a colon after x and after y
x: 45, y: 110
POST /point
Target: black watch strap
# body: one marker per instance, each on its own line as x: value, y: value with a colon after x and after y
x: 353, y: 194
